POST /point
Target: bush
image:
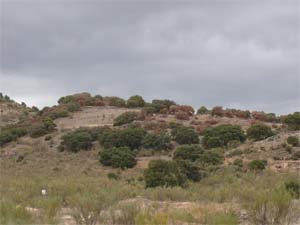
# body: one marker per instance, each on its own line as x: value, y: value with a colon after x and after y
x: 217, y: 111
x: 121, y: 157
x: 185, y: 135
x: 238, y: 162
x: 38, y: 131
x: 188, y: 152
x: 77, y: 140
x: 125, y: 118
x: 115, y: 101
x: 211, y: 157
x: 190, y: 170
x: 182, y: 115
x: 129, y: 137
x: 159, y: 141
x: 73, y: 107
x: 160, y: 105
x: 259, y: 131
x: 9, y: 134
x: 221, y: 135
x: 293, y: 140
x: 257, y: 164
x: 46, y: 126
x: 202, y: 110
x: 293, y: 121
x: 135, y: 102
x: 293, y: 188
x: 163, y: 173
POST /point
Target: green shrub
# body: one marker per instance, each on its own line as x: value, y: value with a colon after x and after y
x: 221, y: 135
x: 115, y: 101
x: 238, y: 162
x: 211, y: 157
x: 293, y: 187
x: 160, y: 105
x: 73, y: 107
x: 163, y: 173
x: 121, y: 157
x: 135, y: 102
x: 125, y: 118
x: 129, y: 137
x: 190, y: 170
x: 157, y: 141
x: 202, y: 110
x: 259, y: 131
x: 293, y: 121
x: 188, y: 152
x: 46, y: 126
x: 185, y: 135
x: 257, y: 164
x: 38, y: 131
x: 58, y: 114
x: 293, y: 140
x: 77, y: 140
x: 9, y: 134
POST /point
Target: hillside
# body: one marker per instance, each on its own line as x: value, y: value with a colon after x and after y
x: 179, y: 165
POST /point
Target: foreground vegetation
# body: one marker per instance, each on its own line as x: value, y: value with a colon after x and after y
x: 267, y: 197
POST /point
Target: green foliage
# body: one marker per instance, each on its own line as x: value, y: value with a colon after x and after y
x: 188, y: 152
x: 121, y: 157
x: 125, y: 118
x: 157, y: 141
x: 238, y: 162
x: 135, y: 102
x: 55, y: 114
x: 211, y: 157
x: 293, y: 140
x: 115, y: 101
x: 202, y: 110
x: 293, y: 121
x: 9, y: 134
x: 221, y: 135
x: 45, y: 127
x: 163, y: 173
x: 257, y: 165
x: 185, y: 135
x: 293, y: 187
x: 160, y: 105
x: 190, y: 170
x: 259, y: 131
x: 73, y: 107
x: 129, y: 137
x: 77, y: 140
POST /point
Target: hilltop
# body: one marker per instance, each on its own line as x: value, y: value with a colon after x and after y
x: 177, y: 153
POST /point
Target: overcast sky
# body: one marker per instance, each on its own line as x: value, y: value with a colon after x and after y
x: 236, y: 53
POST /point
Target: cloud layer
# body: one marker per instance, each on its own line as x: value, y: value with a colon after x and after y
x: 241, y: 54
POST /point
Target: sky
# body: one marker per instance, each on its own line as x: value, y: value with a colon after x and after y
x: 234, y: 53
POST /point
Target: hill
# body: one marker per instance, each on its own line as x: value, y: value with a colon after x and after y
x: 180, y: 166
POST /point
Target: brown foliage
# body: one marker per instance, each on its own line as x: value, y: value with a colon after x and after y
x: 182, y: 115
x: 217, y: 111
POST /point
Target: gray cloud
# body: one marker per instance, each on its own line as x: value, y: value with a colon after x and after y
x: 233, y: 53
